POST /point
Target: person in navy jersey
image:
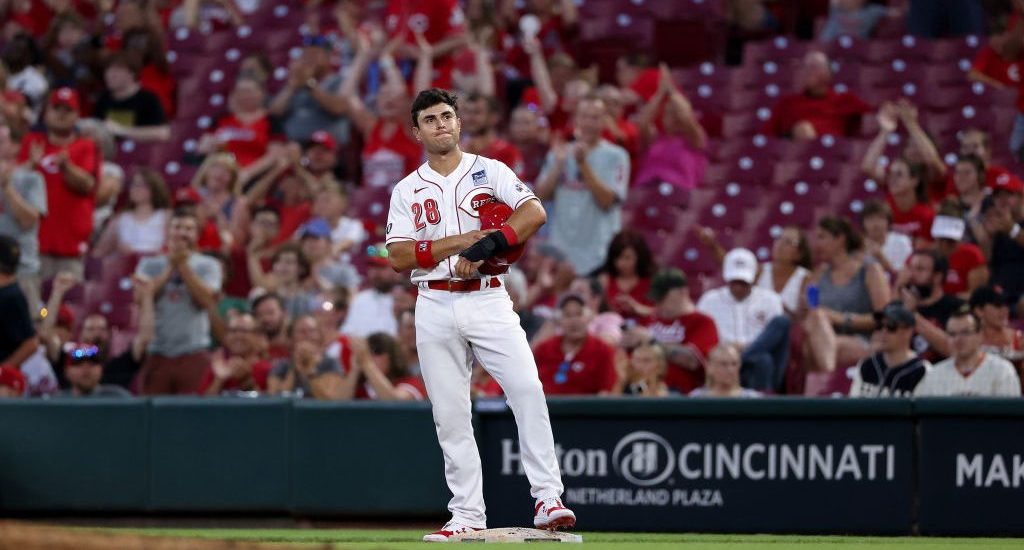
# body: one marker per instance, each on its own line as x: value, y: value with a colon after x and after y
x: 894, y: 370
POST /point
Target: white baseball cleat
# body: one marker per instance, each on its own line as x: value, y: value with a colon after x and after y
x: 449, y: 530
x: 551, y: 514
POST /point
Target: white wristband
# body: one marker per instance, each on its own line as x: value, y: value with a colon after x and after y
x: 1015, y: 231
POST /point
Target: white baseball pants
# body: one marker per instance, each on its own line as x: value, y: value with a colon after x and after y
x: 452, y: 327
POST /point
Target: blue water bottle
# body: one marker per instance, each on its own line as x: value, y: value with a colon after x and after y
x: 812, y: 296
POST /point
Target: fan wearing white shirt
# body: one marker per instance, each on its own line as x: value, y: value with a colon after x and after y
x: 372, y: 309
x: 753, y: 319
x: 970, y: 371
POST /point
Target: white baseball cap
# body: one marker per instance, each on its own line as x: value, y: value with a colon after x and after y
x: 948, y: 227
x: 740, y: 265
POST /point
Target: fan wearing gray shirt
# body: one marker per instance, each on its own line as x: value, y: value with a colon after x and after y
x: 22, y: 204
x: 588, y: 180
x: 186, y: 283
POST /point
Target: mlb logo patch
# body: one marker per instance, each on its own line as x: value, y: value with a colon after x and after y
x: 479, y: 178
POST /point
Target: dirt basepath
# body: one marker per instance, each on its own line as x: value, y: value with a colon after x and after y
x: 16, y: 535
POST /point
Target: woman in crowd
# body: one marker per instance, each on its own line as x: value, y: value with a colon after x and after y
x: 674, y: 139
x: 626, y: 275
x: 142, y: 228
x: 849, y: 288
x: 218, y: 182
x: 912, y: 214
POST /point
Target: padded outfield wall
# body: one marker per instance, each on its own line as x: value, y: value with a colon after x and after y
x: 784, y: 465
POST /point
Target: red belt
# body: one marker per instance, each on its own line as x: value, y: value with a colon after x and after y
x: 468, y: 285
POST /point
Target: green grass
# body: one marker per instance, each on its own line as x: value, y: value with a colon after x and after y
x: 401, y: 539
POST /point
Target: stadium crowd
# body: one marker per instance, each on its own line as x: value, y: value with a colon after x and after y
x: 193, y: 192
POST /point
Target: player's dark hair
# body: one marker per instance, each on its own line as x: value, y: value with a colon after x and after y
x: 629, y: 239
x: 428, y: 98
x: 965, y: 312
x: 839, y: 227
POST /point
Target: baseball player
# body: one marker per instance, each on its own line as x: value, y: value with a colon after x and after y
x: 434, y: 229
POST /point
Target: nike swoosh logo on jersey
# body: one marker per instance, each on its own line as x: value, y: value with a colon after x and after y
x: 418, y: 190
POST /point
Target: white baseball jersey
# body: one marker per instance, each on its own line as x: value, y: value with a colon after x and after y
x: 994, y: 377
x: 426, y: 206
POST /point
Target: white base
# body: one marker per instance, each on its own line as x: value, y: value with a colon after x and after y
x: 516, y: 534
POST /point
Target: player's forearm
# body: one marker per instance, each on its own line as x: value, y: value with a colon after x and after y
x: 402, y: 255
x: 527, y: 219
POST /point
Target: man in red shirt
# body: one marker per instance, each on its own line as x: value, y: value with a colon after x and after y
x: 480, y: 116
x: 70, y: 164
x: 817, y: 109
x: 575, y: 363
x: 686, y: 334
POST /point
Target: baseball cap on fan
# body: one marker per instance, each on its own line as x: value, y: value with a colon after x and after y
x: 1008, y: 183
x: 323, y: 139
x: 317, y: 228
x: 66, y: 97
x: 948, y: 227
x: 740, y: 265
x: 12, y: 378
x: 897, y: 313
